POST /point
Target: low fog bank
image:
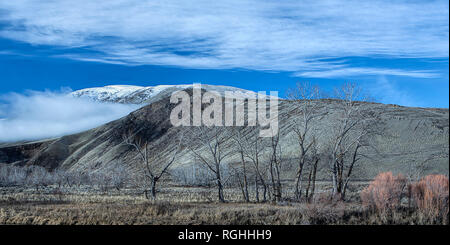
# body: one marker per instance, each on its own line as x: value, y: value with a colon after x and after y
x: 39, y: 115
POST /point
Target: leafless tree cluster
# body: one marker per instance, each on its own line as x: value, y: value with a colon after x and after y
x: 234, y: 157
x: 260, y: 162
x: 34, y: 176
x: 348, y: 134
x: 11, y: 175
x: 38, y: 177
x: 251, y: 148
x: 306, y: 97
x: 213, y: 146
x: 193, y: 175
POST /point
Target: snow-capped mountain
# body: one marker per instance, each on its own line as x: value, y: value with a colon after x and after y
x: 130, y: 94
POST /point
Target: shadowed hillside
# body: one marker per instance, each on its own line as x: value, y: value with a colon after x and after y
x: 405, y: 136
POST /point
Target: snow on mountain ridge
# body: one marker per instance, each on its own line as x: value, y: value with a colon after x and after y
x: 131, y: 94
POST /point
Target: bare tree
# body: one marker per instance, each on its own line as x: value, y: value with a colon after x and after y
x: 152, y: 167
x: 255, y: 148
x: 275, y: 164
x: 237, y: 176
x: 210, y: 145
x: 119, y: 176
x: 101, y: 179
x: 37, y: 176
x: 239, y: 139
x: 306, y: 98
x: 251, y: 148
x: 315, y: 158
x: 12, y: 175
x: 58, y: 177
x: 193, y: 175
x: 69, y: 178
x: 351, y: 132
x: 80, y: 178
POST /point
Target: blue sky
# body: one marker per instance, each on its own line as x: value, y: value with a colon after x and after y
x: 398, y: 51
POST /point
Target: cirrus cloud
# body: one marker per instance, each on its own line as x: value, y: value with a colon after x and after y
x: 293, y: 36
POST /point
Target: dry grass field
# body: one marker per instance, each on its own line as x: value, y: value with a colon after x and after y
x: 182, y: 205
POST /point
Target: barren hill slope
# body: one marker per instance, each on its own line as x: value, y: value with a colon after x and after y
x: 409, y: 135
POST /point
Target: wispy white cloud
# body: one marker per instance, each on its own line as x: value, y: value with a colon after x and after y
x: 13, y: 52
x: 38, y: 115
x: 388, y: 92
x: 290, y: 35
x: 358, y: 71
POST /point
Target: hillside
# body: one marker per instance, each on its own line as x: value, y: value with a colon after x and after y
x: 410, y: 135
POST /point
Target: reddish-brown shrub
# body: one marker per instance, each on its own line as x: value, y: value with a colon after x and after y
x: 431, y: 195
x: 384, y: 192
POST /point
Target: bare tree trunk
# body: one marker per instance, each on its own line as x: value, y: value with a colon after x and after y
x: 220, y: 190
x: 340, y: 177
x: 275, y: 163
x: 279, y: 190
x: 276, y: 183
x: 350, y: 170
x: 334, y: 176
x: 219, y: 184
x: 314, y: 174
x: 246, y: 196
x: 264, y: 192
x: 256, y: 188
x: 309, y: 184
x: 298, y: 183
x: 335, y: 185
x: 259, y: 179
x: 272, y: 177
x: 153, y: 188
x: 264, y: 185
x: 241, y: 185
x: 269, y: 192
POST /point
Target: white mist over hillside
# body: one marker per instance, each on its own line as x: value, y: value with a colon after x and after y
x: 38, y: 115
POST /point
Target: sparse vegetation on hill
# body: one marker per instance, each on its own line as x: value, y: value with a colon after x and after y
x: 317, y: 169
